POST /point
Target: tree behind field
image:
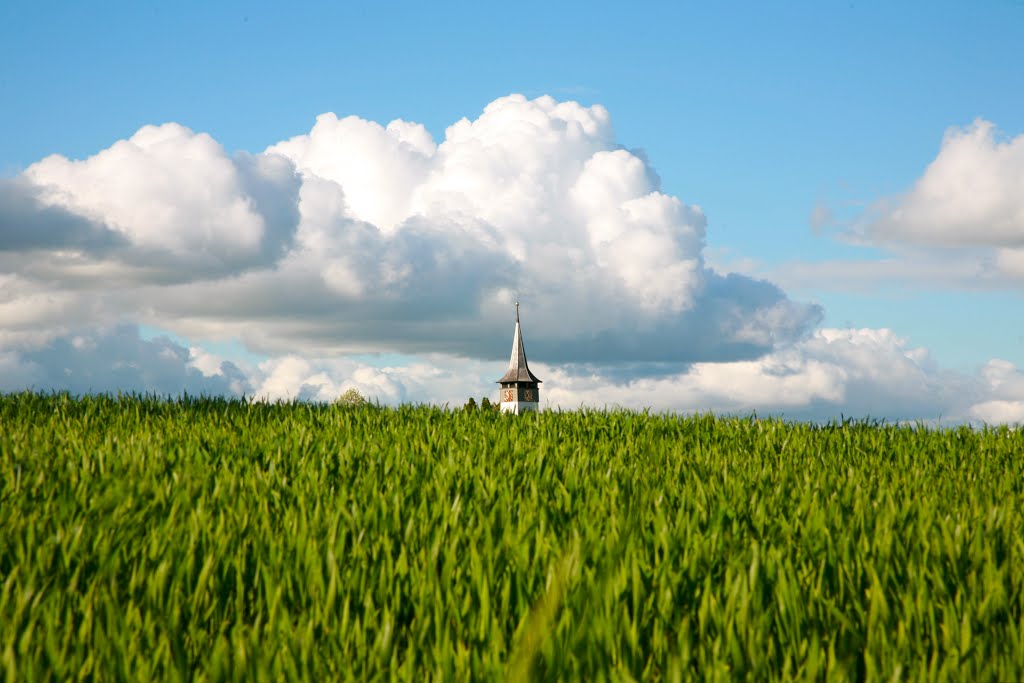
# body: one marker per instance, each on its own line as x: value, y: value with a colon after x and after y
x: 352, y: 398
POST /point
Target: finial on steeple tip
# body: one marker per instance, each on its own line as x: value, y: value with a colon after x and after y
x: 517, y: 311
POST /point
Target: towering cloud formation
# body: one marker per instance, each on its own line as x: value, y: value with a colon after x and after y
x: 360, y: 237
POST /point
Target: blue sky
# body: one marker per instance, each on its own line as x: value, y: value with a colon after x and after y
x: 759, y: 113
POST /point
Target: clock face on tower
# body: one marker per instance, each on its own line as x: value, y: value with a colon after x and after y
x: 528, y: 395
x: 508, y: 395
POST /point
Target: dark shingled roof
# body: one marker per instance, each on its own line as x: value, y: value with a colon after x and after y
x: 518, y: 370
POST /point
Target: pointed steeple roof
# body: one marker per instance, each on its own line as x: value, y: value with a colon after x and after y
x: 518, y: 370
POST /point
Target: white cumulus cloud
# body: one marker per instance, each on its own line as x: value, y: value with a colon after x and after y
x: 971, y: 194
x: 960, y: 225
x: 359, y: 236
x: 1004, y: 394
x: 857, y: 372
x: 175, y: 199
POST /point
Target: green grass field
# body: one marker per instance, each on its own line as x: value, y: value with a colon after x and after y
x: 202, y: 539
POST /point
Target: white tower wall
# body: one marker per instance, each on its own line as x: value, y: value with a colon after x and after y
x: 518, y: 407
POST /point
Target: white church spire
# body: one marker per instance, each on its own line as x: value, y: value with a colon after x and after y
x: 519, y: 390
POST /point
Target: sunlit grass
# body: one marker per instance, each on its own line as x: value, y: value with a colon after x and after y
x: 213, y: 539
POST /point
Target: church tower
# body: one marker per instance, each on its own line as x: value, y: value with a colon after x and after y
x: 519, y: 390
